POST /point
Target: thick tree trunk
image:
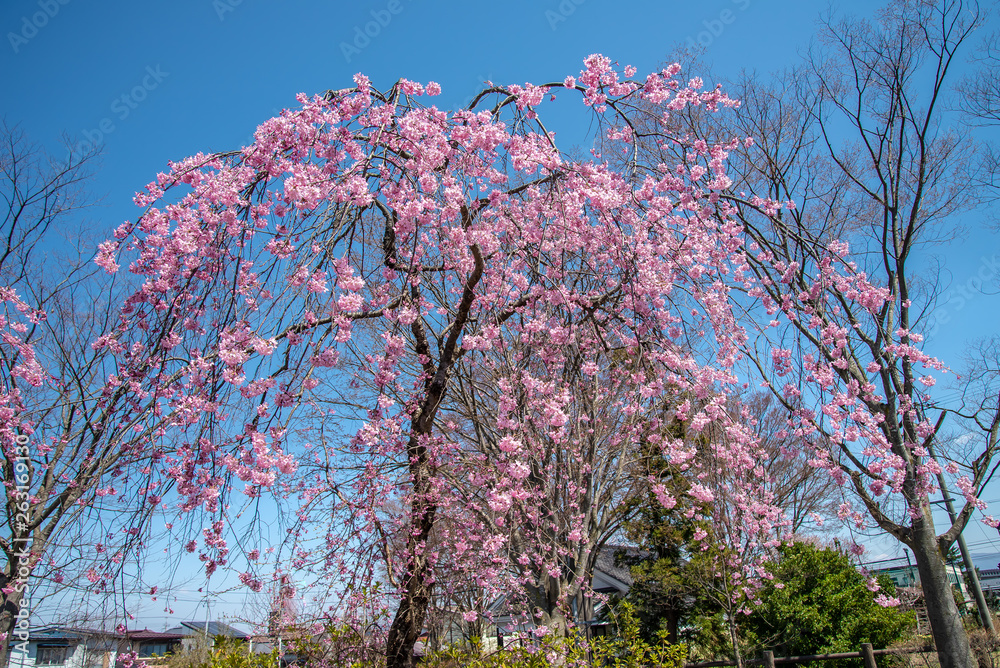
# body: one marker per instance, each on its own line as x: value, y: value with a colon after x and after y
x: 409, y: 620
x: 15, y: 606
x: 557, y: 622
x: 673, y: 621
x: 10, y: 606
x: 950, y: 638
x: 547, y: 598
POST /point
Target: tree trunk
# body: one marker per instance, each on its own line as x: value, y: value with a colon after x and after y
x: 673, y: 621
x: 735, y: 640
x: 412, y: 611
x: 10, y: 606
x: 547, y: 599
x: 557, y: 622
x: 950, y: 638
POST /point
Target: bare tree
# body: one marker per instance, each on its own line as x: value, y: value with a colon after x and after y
x: 863, y: 139
x: 979, y: 101
x: 980, y: 91
x: 808, y: 495
x: 901, y: 176
x: 40, y: 194
x: 70, y: 521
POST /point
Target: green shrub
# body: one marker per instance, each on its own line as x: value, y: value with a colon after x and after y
x: 628, y: 649
x: 225, y: 653
x: 232, y: 653
x: 818, y: 602
x: 624, y: 649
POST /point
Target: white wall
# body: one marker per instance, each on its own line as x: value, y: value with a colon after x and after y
x: 90, y: 654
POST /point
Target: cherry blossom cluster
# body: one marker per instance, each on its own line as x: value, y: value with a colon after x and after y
x: 454, y: 293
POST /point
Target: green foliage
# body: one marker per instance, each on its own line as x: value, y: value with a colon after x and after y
x: 663, y: 590
x: 625, y: 649
x: 629, y: 649
x: 550, y: 651
x: 225, y: 653
x: 818, y: 602
x: 709, y: 638
x: 232, y: 653
x: 341, y: 645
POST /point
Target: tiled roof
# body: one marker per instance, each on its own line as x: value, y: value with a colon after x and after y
x: 605, y: 563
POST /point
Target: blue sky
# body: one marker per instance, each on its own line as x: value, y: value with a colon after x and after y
x: 159, y: 81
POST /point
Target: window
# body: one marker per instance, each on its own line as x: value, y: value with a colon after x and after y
x: 52, y: 655
x: 154, y: 649
x: 94, y: 658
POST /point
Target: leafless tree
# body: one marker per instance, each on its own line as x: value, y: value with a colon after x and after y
x: 863, y: 138
x: 69, y: 520
x: 808, y: 496
x: 901, y: 175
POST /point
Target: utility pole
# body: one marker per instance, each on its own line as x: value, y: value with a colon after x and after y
x: 984, y: 611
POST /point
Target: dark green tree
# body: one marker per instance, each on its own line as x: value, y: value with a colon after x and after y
x: 661, y: 594
x: 819, y: 602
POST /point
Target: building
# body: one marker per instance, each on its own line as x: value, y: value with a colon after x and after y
x: 904, y: 574
x: 66, y: 647
x: 71, y: 647
x: 150, y: 644
x: 989, y: 579
x: 190, y: 633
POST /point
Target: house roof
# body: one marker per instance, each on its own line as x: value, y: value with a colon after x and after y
x: 214, y: 629
x: 56, y: 632
x: 605, y: 564
x: 146, y: 634
x: 607, y: 577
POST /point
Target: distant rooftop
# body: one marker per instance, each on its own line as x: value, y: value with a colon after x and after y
x: 69, y: 633
x: 214, y: 629
x: 146, y: 634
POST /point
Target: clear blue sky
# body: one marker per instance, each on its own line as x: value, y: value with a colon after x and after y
x: 160, y: 81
